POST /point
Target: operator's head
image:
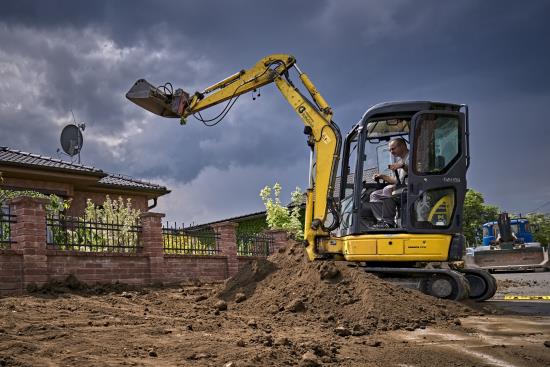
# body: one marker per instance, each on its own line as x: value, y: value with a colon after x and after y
x: 398, y: 147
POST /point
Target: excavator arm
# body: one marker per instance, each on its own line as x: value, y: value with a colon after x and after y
x: 323, y: 136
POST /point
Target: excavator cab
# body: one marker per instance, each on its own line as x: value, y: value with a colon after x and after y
x: 423, y: 246
x: 430, y: 198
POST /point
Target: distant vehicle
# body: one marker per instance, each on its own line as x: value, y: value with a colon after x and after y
x: 520, y: 227
x: 508, y: 246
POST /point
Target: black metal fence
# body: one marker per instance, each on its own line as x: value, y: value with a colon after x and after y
x: 254, y: 244
x: 6, y: 221
x: 190, y: 241
x: 72, y: 233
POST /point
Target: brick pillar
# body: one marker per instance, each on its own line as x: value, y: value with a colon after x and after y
x: 152, y: 246
x: 280, y: 238
x: 29, y: 233
x: 227, y: 243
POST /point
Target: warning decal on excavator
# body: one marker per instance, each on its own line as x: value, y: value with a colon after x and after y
x: 527, y: 298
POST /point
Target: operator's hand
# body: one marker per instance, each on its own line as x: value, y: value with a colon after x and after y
x: 378, y: 176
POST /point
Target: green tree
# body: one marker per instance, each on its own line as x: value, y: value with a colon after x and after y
x: 279, y: 216
x: 476, y: 212
x: 540, y: 224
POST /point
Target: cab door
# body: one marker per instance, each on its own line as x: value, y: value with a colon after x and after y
x: 437, y: 172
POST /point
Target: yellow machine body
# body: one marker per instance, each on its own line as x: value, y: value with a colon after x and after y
x: 402, y: 247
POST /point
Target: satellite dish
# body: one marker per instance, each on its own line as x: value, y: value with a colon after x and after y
x: 71, y: 140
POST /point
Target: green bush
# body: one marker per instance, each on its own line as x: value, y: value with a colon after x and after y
x: 279, y: 216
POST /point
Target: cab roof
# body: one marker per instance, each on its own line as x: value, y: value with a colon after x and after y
x: 405, y: 108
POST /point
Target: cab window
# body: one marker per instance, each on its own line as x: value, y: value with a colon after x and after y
x: 437, y: 143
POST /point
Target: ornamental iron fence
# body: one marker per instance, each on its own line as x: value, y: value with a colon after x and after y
x: 254, y: 244
x: 190, y: 241
x: 6, y: 221
x: 78, y: 234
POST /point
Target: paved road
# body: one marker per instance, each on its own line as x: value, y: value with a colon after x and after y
x: 522, y: 284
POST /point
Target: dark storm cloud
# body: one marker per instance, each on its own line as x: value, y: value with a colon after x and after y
x: 59, y: 56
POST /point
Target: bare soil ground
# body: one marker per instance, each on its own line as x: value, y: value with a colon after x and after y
x: 279, y: 312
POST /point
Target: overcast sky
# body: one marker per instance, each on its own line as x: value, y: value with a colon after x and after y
x: 58, y: 56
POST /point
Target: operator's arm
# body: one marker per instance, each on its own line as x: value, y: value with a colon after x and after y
x: 399, y: 165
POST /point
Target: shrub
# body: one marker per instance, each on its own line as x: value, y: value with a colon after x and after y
x: 279, y: 216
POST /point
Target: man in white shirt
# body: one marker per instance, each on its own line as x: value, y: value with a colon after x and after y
x: 382, y: 206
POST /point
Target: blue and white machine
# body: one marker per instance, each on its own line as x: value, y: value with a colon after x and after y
x: 508, y: 246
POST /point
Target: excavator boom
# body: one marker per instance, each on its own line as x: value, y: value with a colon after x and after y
x: 323, y: 136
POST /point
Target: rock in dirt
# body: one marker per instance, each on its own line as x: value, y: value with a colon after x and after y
x: 268, y: 341
x: 328, y: 271
x: 358, y: 330
x: 373, y: 343
x: 282, y: 341
x: 309, y: 360
x: 252, y: 323
x: 342, y: 331
x: 221, y: 305
x: 547, y: 344
x: 202, y: 297
x: 201, y: 355
x: 296, y: 306
x: 240, y: 297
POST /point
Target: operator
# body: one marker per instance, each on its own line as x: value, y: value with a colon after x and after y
x: 383, y: 207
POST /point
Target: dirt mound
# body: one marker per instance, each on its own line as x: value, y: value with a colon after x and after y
x: 246, y: 280
x: 290, y: 289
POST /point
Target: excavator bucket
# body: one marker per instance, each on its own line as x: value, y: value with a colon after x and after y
x: 159, y: 101
x: 514, y: 259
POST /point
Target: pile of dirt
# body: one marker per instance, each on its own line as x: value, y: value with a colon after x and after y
x: 291, y: 290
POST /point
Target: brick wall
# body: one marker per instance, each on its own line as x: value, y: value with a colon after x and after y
x: 98, y: 267
x: 29, y: 262
x: 11, y: 271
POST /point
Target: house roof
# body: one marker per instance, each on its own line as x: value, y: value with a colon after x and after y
x: 232, y: 219
x: 131, y: 183
x: 18, y: 158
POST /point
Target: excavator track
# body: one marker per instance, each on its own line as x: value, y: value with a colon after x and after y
x: 440, y: 283
x: 482, y: 284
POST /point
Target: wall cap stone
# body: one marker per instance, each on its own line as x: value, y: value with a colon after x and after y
x: 225, y: 224
x: 152, y: 215
x: 29, y: 200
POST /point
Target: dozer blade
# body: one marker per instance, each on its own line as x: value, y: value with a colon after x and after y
x: 527, y: 258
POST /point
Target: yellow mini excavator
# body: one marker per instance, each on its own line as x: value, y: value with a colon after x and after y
x: 412, y: 233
